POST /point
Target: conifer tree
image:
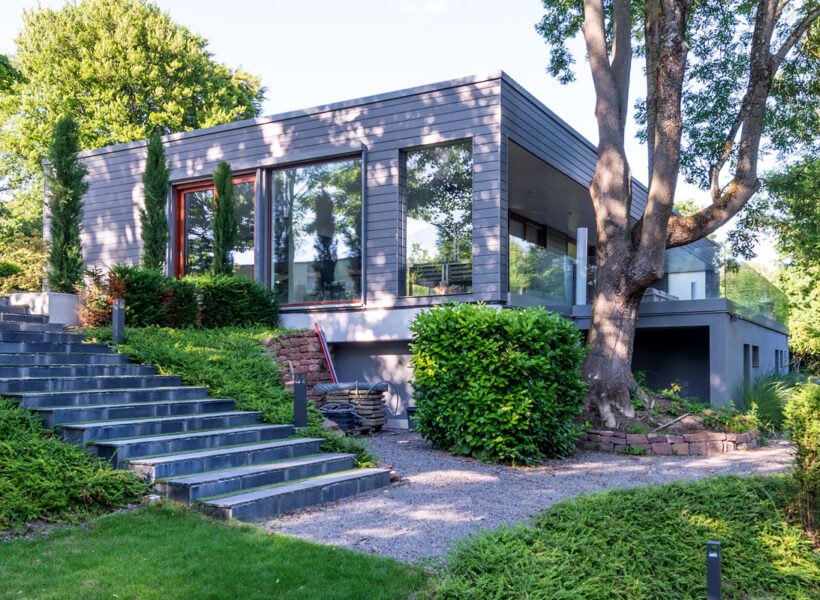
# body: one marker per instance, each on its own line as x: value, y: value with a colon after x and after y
x: 226, y: 223
x: 65, y: 177
x: 154, y: 221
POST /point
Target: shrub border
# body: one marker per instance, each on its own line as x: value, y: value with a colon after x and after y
x: 696, y: 443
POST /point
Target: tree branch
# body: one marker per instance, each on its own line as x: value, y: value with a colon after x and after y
x: 622, y: 54
x: 799, y: 29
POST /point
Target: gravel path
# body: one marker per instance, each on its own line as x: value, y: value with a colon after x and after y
x: 442, y: 498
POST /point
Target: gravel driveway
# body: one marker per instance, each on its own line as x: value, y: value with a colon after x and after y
x: 441, y: 498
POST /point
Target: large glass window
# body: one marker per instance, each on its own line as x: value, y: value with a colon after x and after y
x: 197, y: 208
x: 539, y: 263
x: 317, y: 227
x: 439, y: 225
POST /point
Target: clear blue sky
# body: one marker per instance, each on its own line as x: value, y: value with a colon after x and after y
x: 310, y: 52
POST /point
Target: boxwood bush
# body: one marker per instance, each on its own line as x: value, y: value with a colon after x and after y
x: 498, y: 385
x: 228, y: 300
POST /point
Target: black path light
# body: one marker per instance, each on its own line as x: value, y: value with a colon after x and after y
x: 713, y: 570
x: 300, y: 401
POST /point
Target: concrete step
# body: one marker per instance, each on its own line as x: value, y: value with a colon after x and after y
x: 191, y: 441
x: 60, y: 415
x: 62, y: 358
x: 10, y: 309
x: 31, y: 327
x: 37, y: 337
x: 74, y: 370
x: 72, y: 347
x: 187, y: 463
x: 273, y: 500
x: 21, y: 318
x: 232, y: 481
x: 123, y: 396
x: 64, y: 384
x: 83, y: 433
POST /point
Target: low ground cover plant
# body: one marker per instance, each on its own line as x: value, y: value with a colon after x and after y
x: 165, y: 552
x: 151, y: 298
x: 644, y: 544
x: 44, y: 478
x: 766, y: 398
x: 231, y: 362
x: 802, y: 420
x: 499, y: 385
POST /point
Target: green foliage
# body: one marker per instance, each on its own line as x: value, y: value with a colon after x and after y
x: 499, y: 385
x: 9, y: 269
x: 636, y: 429
x: 337, y: 441
x: 154, y: 221
x: 230, y: 361
x: 802, y: 286
x: 643, y: 544
x: 165, y: 551
x: 226, y: 224
x: 228, y: 300
x: 766, y: 398
x: 42, y: 477
x: 65, y: 176
x: 8, y: 74
x: 803, y: 423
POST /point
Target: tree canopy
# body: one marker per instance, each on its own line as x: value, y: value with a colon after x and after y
x: 124, y: 69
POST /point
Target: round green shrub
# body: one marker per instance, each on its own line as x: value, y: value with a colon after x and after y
x: 496, y: 384
x: 228, y: 300
x: 9, y: 269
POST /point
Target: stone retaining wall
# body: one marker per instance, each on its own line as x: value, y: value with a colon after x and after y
x: 700, y: 442
x: 303, y: 350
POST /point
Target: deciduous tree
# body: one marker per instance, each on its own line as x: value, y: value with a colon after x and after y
x: 713, y: 68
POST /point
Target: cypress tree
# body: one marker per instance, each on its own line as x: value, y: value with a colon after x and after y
x: 226, y: 222
x: 155, y: 231
x: 65, y: 176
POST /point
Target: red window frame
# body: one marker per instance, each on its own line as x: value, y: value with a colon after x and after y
x: 179, y: 225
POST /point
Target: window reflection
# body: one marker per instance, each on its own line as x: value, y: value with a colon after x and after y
x: 439, y: 227
x: 317, y: 224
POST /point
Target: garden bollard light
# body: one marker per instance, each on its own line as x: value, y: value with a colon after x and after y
x: 118, y: 320
x: 713, y: 570
x: 300, y: 401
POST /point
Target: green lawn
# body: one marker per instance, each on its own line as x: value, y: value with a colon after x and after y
x: 644, y: 544
x: 166, y: 552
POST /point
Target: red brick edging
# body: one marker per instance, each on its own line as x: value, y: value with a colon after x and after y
x: 302, y: 350
x: 699, y: 442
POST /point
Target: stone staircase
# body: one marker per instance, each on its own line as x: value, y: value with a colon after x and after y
x: 194, y: 449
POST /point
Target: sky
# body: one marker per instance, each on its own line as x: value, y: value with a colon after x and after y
x: 312, y: 52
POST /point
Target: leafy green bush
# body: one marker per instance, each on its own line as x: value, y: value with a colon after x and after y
x: 228, y: 300
x: 9, y: 269
x: 42, y: 477
x: 803, y: 423
x: 228, y: 360
x: 766, y: 397
x: 643, y: 544
x: 29, y: 253
x: 499, y: 385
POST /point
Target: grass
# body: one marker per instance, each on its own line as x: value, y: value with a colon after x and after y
x: 766, y: 397
x: 167, y: 552
x: 44, y: 478
x: 644, y: 544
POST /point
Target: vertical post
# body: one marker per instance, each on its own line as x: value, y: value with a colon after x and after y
x: 300, y: 401
x: 581, y: 265
x: 713, y: 570
x: 117, y: 320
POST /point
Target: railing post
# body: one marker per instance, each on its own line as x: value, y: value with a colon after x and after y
x: 581, y: 265
x: 300, y: 401
x: 713, y: 570
x: 117, y: 320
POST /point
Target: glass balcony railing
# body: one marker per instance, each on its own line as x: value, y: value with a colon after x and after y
x: 540, y: 273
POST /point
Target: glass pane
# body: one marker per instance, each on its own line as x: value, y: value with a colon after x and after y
x: 317, y: 227
x: 439, y: 225
x: 540, y: 273
x: 245, y: 196
x: 199, y: 233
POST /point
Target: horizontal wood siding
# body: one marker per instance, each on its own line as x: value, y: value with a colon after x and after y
x: 468, y: 110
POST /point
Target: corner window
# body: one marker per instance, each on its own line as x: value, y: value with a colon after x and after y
x: 316, y: 245
x: 439, y: 224
x: 195, y: 235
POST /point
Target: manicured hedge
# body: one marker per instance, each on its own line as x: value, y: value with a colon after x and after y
x: 496, y: 384
x: 151, y: 298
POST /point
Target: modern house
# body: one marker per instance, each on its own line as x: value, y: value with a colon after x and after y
x: 361, y: 213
